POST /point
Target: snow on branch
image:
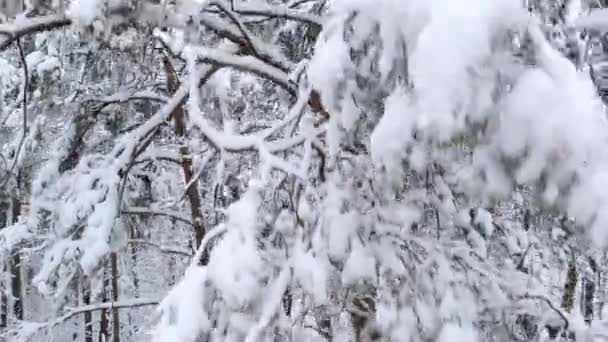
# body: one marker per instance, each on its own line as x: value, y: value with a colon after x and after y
x: 245, y: 63
x: 27, y: 329
x: 132, y: 144
x: 150, y: 211
x: 126, y: 96
x: 160, y: 247
x: 17, y: 29
x: 232, y: 142
x: 552, y: 306
x: 596, y: 20
x: 265, y: 52
x: 281, y: 12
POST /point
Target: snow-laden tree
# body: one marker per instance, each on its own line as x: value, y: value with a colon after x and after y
x: 340, y: 170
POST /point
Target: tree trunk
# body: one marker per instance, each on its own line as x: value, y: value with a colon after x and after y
x: 186, y: 162
x: 570, y: 286
x: 88, y: 316
x: 4, y: 207
x: 15, y: 267
x: 103, y: 321
x: 115, y: 315
x: 134, y: 235
x: 588, y: 296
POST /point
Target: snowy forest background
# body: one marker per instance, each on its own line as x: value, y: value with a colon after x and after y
x: 303, y: 170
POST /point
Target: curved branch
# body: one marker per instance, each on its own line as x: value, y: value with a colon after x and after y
x: 24, y: 330
x: 280, y: 13
x: 551, y: 305
x: 14, y: 31
x: 148, y: 211
x: 245, y: 63
x: 160, y: 248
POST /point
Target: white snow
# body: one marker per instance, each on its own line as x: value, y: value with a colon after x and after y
x: 83, y: 11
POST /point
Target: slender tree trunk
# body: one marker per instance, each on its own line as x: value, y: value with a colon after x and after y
x: 134, y: 248
x: 570, y: 286
x: 16, y: 285
x: 15, y: 267
x: 88, y: 316
x: 3, y: 304
x: 186, y: 162
x: 134, y: 234
x: 4, y: 207
x: 103, y: 321
x: 587, y: 300
x: 115, y: 315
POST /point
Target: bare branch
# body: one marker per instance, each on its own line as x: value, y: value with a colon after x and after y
x: 265, y: 53
x: 551, y: 305
x: 160, y: 248
x: 26, y: 329
x: 246, y: 35
x: 245, y: 63
x: 123, y: 97
x: 196, y: 177
x: 279, y: 12
x: 149, y: 211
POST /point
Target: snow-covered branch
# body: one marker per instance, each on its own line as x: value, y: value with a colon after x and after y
x: 123, y: 97
x: 259, y: 9
x: 26, y: 329
x: 245, y: 63
x: 161, y: 248
x: 265, y: 52
x: 153, y: 212
x: 25, y: 26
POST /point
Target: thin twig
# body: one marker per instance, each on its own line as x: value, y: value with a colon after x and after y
x: 551, y: 305
x: 149, y: 211
x: 160, y: 247
x: 71, y: 312
x: 198, y: 175
x: 280, y: 12
x: 242, y: 29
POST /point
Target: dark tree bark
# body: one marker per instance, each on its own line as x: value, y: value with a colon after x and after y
x: 103, y: 321
x: 186, y: 162
x: 4, y: 207
x: 115, y: 315
x: 88, y: 316
x: 16, y: 282
x: 588, y: 296
x: 570, y: 286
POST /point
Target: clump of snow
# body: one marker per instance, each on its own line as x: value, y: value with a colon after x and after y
x: 34, y: 58
x: 183, y: 315
x: 125, y: 41
x: 328, y: 67
x: 462, y: 31
x: 311, y: 273
x: 393, y: 133
x: 83, y: 11
x: 235, y: 265
x: 360, y: 265
x: 342, y: 227
x: 597, y: 19
x: 484, y: 219
x: 452, y: 332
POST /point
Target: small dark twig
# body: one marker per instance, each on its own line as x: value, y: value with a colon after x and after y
x: 520, y: 265
x: 242, y: 29
x: 551, y: 305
